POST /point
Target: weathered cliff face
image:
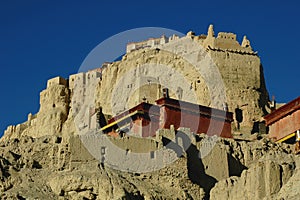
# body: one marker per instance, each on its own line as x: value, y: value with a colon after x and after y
x: 264, y: 179
x: 54, y: 111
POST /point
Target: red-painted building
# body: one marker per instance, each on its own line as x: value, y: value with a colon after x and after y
x: 284, y: 122
x: 142, y: 120
x: 145, y: 119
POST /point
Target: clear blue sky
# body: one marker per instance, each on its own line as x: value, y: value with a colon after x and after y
x: 43, y: 39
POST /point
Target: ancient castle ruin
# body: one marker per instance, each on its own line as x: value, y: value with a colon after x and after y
x: 83, y: 93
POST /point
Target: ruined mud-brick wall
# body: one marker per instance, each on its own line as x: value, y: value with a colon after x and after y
x: 244, y: 82
x: 242, y: 74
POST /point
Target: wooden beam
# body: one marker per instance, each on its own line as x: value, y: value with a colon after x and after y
x: 122, y: 119
x: 286, y: 138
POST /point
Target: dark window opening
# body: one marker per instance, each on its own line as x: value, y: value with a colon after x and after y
x: 152, y: 154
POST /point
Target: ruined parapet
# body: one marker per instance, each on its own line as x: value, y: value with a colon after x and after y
x: 209, y: 41
x: 190, y: 34
x: 151, y: 42
x: 246, y: 43
x: 226, y: 42
x: 57, y: 81
x: 223, y: 41
x: 15, y: 131
x: 173, y: 37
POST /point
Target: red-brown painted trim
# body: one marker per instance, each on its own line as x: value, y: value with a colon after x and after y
x: 283, y: 111
x: 194, y: 108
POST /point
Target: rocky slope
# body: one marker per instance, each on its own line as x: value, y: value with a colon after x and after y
x: 46, y: 168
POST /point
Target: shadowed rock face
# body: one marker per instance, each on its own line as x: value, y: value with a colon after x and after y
x: 50, y: 168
